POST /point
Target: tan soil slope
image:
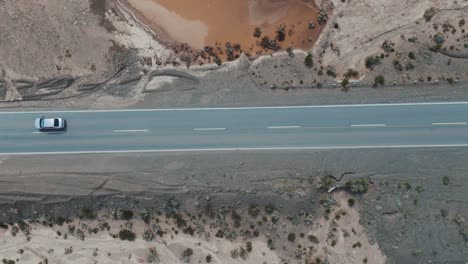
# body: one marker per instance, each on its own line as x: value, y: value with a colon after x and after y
x: 48, y: 38
x: 364, y: 25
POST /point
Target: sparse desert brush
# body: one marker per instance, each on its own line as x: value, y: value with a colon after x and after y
x: 309, y: 60
x: 351, y: 74
x: 126, y: 234
x: 253, y: 210
x: 357, y: 185
x: 445, y: 180
x: 87, y: 213
x: 373, y: 61
x: 379, y: 80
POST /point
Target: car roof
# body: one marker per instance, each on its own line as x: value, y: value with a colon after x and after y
x: 49, y: 122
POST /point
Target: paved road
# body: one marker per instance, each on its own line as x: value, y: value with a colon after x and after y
x: 301, y: 127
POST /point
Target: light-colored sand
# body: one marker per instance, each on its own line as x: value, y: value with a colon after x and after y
x: 340, y: 239
x: 46, y: 244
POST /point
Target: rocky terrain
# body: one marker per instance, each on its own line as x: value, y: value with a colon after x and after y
x: 405, y: 206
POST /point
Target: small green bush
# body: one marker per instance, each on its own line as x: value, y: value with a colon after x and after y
x: 357, y: 185
x: 291, y: 237
x: 253, y: 210
x: 126, y: 214
x: 373, y: 61
x: 313, y: 239
x: 411, y: 55
x: 126, y: 234
x: 309, y: 60
x: 87, y: 213
x: 351, y: 202
x: 445, y: 180
x: 379, y: 80
x: 344, y: 83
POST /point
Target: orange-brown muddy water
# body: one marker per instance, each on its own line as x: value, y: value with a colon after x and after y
x: 201, y: 23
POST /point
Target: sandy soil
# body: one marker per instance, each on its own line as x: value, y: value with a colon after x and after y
x: 97, y: 241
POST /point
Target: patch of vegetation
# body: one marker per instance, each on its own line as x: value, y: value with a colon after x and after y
x: 407, y: 186
x: 439, y: 39
x: 326, y: 182
x: 291, y: 237
x: 189, y: 230
x: 351, y: 202
x: 379, y: 80
x: 450, y: 80
x: 373, y: 61
x: 388, y: 46
x: 271, y: 244
x: 208, y: 259
x: 328, y: 201
x: 445, y: 180
x: 331, y: 71
x: 313, y: 239
x: 253, y: 210
x: 188, y: 252
x: 153, y: 255
x: 126, y: 214
x: 270, y: 208
x: 87, y: 213
x: 357, y: 185
x: 444, y: 212
x: 146, y: 217
x: 429, y: 13
x: 248, y: 246
x: 269, y: 44
x: 126, y: 234
x: 257, y: 32
x: 344, y: 84
x: 309, y: 60
x: 413, y: 39
x: 351, y: 74
x: 411, y: 55
x: 281, y: 33
x: 290, y: 52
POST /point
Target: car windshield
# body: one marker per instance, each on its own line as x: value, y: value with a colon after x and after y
x: 56, y: 122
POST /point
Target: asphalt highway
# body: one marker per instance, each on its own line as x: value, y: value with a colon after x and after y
x: 249, y: 128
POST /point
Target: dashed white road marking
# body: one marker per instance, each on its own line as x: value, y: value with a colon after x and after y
x: 369, y: 125
x: 451, y: 124
x: 210, y: 129
x: 284, y: 127
x: 131, y: 131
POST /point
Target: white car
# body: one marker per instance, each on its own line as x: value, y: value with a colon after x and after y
x: 43, y: 123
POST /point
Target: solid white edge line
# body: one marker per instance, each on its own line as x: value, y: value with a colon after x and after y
x: 369, y: 125
x: 451, y: 124
x: 284, y: 127
x: 210, y: 129
x: 235, y: 108
x: 231, y: 149
x: 130, y: 131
